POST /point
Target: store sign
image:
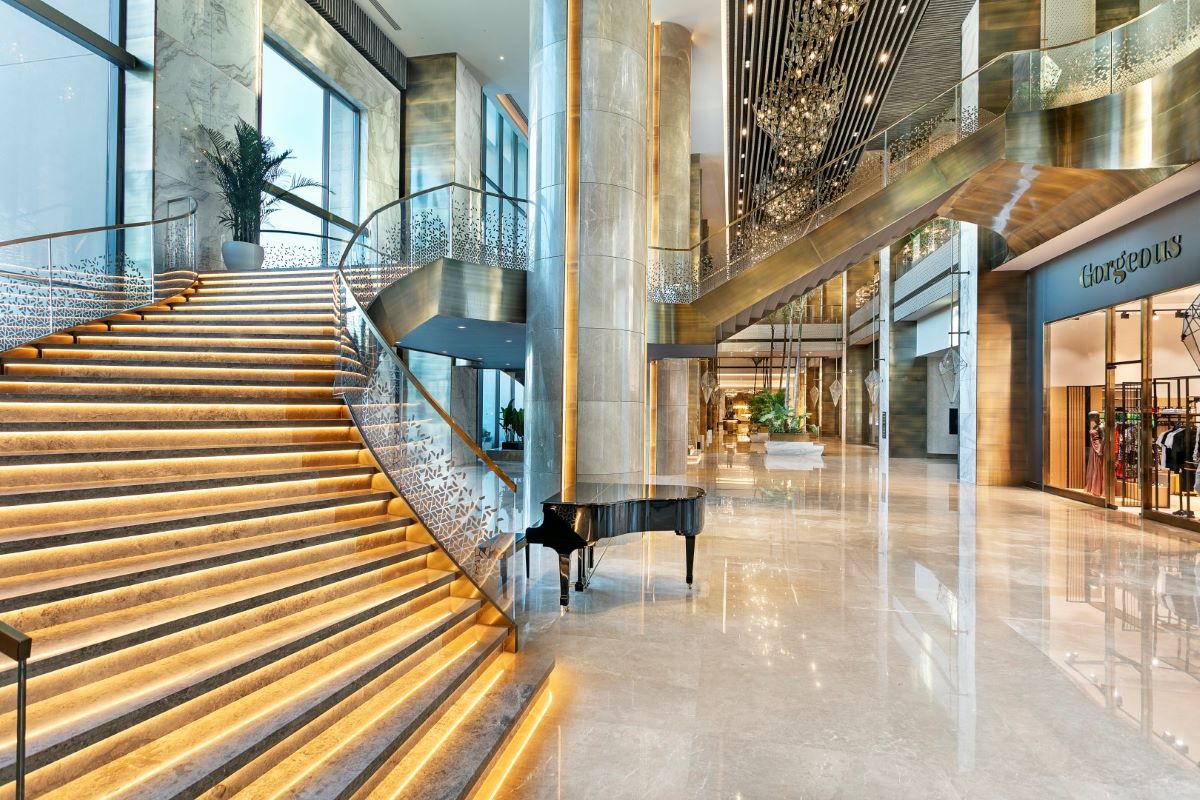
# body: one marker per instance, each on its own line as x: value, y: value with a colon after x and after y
x: 1129, y: 262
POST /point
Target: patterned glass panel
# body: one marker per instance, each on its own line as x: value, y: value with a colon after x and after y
x: 471, y: 512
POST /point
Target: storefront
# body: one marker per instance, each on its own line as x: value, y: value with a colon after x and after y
x: 1111, y: 326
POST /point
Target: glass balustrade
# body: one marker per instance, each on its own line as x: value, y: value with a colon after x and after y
x: 51, y: 283
x: 450, y: 221
x: 466, y: 503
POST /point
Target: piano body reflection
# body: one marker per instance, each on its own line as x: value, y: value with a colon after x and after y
x: 603, y: 510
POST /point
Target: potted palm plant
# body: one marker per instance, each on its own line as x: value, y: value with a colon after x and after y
x: 512, y: 419
x: 243, y: 167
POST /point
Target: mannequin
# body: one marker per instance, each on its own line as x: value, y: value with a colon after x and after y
x: 1093, y: 474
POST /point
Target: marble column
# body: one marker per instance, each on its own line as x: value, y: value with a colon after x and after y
x: 671, y: 220
x: 671, y: 434
x: 586, y: 339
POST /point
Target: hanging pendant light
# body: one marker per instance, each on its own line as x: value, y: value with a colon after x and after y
x: 835, y: 391
x: 872, y: 381
x: 950, y: 367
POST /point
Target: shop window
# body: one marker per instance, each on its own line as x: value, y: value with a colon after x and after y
x: 1075, y: 403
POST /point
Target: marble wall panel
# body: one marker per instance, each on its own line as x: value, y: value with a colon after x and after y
x: 672, y: 136
x: 464, y: 408
x: 908, y: 427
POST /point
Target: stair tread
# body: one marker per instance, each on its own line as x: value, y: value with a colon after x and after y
x: 463, y: 746
x: 79, y: 633
x: 112, y: 488
x: 66, y: 714
x: 196, y: 557
x: 178, y: 452
x: 337, y: 758
x: 50, y: 535
x: 157, y: 769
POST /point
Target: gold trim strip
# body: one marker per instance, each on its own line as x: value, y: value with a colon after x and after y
x: 570, y: 373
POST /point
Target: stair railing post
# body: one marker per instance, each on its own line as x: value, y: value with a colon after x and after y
x: 20, y: 765
x: 50, y: 284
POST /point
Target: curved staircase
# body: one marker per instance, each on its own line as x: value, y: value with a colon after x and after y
x: 226, y: 596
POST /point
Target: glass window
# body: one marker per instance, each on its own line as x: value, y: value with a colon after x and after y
x: 1076, y: 373
x: 102, y: 16
x: 505, y: 153
x: 322, y: 129
x: 61, y: 103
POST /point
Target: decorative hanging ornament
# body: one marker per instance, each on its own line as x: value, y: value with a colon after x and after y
x: 708, y: 385
x: 872, y: 381
x: 814, y: 395
x: 950, y: 367
x: 835, y: 391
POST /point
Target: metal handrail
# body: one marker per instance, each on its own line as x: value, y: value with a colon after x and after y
x: 123, y: 226
x: 18, y: 646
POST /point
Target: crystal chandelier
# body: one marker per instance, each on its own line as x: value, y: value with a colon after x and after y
x: 814, y: 27
x: 798, y: 111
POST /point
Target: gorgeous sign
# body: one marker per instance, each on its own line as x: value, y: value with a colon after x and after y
x: 1130, y: 261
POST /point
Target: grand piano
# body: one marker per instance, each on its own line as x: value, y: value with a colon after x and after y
x: 598, y: 511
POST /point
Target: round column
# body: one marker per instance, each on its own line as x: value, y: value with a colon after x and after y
x: 586, y: 318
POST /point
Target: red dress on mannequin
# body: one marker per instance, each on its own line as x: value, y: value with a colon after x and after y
x: 1093, y: 476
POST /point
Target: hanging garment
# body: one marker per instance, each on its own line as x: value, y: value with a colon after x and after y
x: 1093, y: 479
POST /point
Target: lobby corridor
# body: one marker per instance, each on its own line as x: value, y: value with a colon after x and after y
x: 947, y: 642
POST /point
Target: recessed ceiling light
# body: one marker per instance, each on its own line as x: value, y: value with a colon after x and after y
x: 462, y: 327
x: 745, y: 101
x: 501, y: 58
x: 508, y: 340
x: 749, y: 9
x: 868, y: 98
x: 742, y: 175
x: 744, y: 131
x: 903, y: 7
x: 855, y: 134
x: 883, y: 57
x: 743, y: 155
x: 747, y: 63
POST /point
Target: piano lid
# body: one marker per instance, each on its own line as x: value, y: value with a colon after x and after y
x: 605, y: 493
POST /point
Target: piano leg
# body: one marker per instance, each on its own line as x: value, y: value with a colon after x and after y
x: 592, y: 557
x: 582, y: 569
x: 690, y: 549
x: 564, y: 579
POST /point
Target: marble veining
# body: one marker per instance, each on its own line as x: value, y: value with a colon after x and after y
x: 934, y: 640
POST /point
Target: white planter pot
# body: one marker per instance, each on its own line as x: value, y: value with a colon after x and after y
x: 242, y: 256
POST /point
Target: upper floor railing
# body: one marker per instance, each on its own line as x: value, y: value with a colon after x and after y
x: 56, y: 281
x: 447, y: 221
x: 1023, y: 81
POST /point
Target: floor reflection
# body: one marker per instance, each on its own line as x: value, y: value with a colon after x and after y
x: 851, y: 638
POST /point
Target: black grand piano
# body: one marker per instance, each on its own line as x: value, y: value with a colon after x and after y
x: 603, y: 510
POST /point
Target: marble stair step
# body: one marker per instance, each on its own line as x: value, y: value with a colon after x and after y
x: 219, y: 671
x: 229, y: 738
x: 71, y: 409
x: 71, y: 452
x: 345, y: 756
x: 176, y: 355
x: 333, y: 606
x: 145, y: 485
x: 67, y: 633
x: 274, y: 275
x: 318, y: 298
x: 194, y: 325
x: 256, y: 341
x: 277, y: 289
x: 129, y: 369
x: 459, y: 750
x: 22, y: 439
x: 55, y: 581
x: 106, y: 468
x: 57, y: 533
x: 240, y: 315
x: 42, y: 605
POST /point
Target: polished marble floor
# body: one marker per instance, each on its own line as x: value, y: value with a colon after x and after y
x: 930, y: 641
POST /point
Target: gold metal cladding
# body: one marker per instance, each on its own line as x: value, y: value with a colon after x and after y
x: 448, y: 288
x: 655, y: 128
x: 1028, y: 176
x: 570, y: 372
